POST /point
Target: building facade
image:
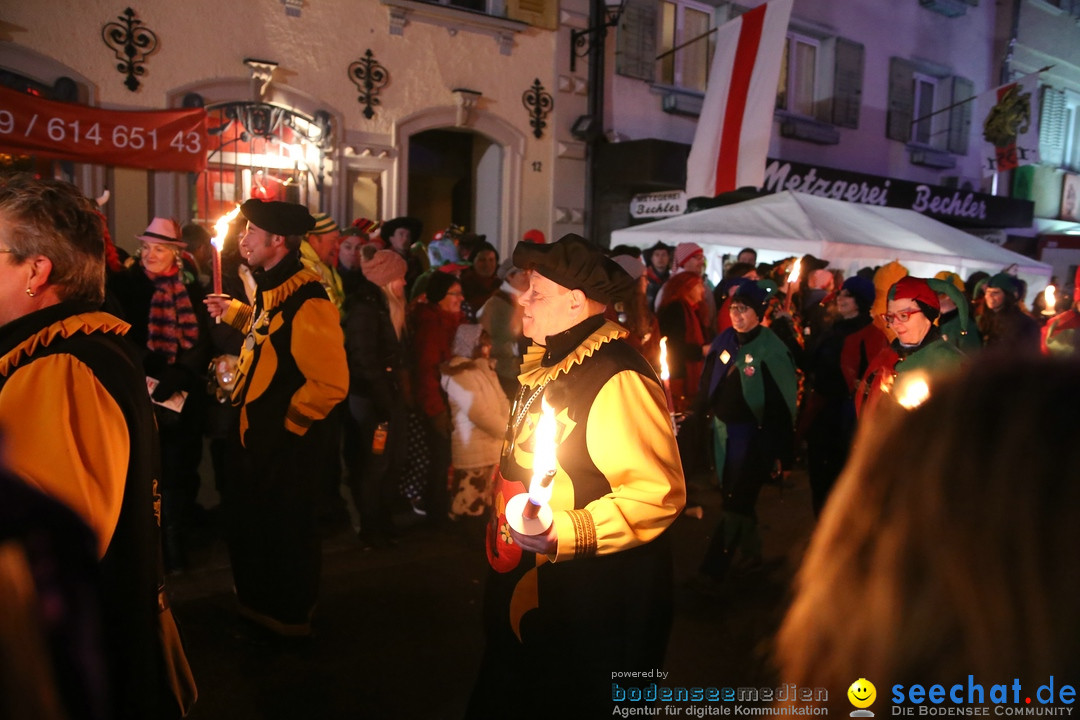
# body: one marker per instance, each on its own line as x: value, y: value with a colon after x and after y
x: 452, y: 112
x: 871, y: 95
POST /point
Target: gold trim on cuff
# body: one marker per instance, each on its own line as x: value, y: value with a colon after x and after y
x: 584, y: 533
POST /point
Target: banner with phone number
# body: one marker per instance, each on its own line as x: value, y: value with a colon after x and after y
x: 154, y: 140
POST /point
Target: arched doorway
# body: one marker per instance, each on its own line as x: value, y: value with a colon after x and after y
x: 467, y: 175
x: 455, y: 177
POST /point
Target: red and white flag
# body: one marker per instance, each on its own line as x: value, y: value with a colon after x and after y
x: 732, y: 138
x: 1007, y: 117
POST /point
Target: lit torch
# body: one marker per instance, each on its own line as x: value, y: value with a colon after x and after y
x: 529, y: 513
x: 1049, y: 301
x: 912, y: 391
x: 792, y: 277
x: 221, y: 229
x: 665, y: 376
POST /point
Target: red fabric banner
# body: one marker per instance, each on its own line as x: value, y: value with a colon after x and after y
x: 155, y: 140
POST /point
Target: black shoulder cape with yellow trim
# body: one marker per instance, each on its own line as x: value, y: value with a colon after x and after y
x: 129, y: 578
x: 604, y: 600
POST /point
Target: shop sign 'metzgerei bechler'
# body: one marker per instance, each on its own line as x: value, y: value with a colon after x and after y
x: 956, y: 207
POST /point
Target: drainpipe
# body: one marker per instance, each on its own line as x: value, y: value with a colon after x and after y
x: 597, y: 17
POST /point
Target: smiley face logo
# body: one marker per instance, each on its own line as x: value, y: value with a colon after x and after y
x: 862, y: 693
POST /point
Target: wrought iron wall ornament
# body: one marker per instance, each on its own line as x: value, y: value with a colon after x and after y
x: 132, y: 44
x: 539, y: 104
x: 369, y: 77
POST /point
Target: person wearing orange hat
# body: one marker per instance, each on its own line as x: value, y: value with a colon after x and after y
x: 912, y: 307
x: 1061, y: 335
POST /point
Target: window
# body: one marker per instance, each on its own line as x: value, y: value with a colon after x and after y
x: 1059, y: 128
x: 681, y: 22
x: 1072, y: 131
x: 921, y: 91
x: 924, y: 88
x: 489, y: 7
x: 798, y: 72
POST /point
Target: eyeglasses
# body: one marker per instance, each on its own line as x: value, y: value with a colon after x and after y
x: 739, y: 309
x: 902, y: 316
x: 457, y: 293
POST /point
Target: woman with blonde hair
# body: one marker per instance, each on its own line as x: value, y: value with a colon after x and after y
x: 162, y: 299
x: 933, y: 563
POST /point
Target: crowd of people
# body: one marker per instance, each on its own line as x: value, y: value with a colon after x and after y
x: 798, y: 356
x: 414, y: 370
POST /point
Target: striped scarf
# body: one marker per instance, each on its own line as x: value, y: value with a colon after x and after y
x: 172, y: 327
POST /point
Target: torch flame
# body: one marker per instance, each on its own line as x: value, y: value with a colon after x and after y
x: 794, y: 274
x: 221, y: 228
x: 1049, y: 300
x: 543, y: 454
x: 664, y: 374
x: 913, y: 393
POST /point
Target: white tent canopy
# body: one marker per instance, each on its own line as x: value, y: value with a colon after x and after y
x: 849, y: 235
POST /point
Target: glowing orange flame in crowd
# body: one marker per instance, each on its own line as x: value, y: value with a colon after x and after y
x: 914, y: 391
x: 794, y: 274
x: 221, y: 228
x: 543, y: 455
x: 664, y: 374
x: 1049, y: 300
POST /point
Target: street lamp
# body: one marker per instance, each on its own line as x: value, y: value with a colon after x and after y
x: 581, y: 41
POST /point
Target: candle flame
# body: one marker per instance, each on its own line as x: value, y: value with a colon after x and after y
x: 664, y: 374
x: 913, y: 392
x: 1049, y: 299
x: 221, y: 228
x: 543, y: 454
x: 794, y: 274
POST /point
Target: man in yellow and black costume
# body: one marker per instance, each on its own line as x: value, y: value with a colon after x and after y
x: 593, y: 595
x: 292, y: 372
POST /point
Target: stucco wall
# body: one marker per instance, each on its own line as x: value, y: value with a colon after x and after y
x: 204, y: 41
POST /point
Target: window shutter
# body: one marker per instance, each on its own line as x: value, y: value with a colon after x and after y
x: 901, y: 99
x: 635, y: 42
x: 847, y: 83
x: 1052, y: 120
x: 960, y: 116
x: 540, y: 13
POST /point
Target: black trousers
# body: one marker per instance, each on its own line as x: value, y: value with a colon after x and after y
x: 270, y: 511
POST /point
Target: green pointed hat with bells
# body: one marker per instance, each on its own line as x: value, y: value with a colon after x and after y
x: 945, y: 287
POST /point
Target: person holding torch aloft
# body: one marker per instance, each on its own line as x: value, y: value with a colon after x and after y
x: 592, y: 593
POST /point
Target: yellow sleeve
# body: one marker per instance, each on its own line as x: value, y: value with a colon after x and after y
x: 631, y: 442
x: 318, y: 347
x: 66, y: 436
x: 238, y: 314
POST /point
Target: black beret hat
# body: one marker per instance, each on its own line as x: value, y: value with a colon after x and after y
x: 574, y: 264
x: 278, y: 218
x: 414, y: 226
x: 438, y: 284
